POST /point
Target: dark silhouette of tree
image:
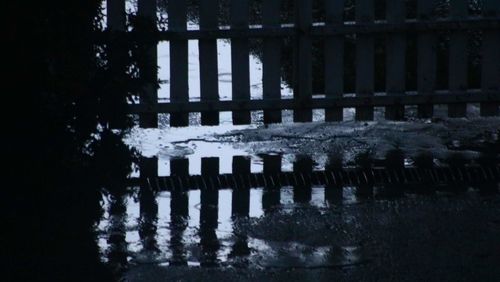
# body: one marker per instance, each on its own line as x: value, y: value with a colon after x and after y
x: 66, y: 98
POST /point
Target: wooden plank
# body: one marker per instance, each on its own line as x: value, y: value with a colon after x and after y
x: 334, y: 58
x: 395, y: 59
x: 271, y: 62
x: 441, y: 97
x: 271, y: 194
x: 179, y: 85
x: 148, y: 167
x: 116, y: 52
x: 320, y: 29
x: 302, y: 89
x: 490, y: 80
x: 209, y: 83
x: 179, y: 204
x: 365, y: 58
x: 149, y: 71
x: 427, y: 67
x: 458, y: 58
x: 240, y: 65
x: 209, y: 211
x: 241, y: 197
x: 115, y: 10
x: 302, y: 167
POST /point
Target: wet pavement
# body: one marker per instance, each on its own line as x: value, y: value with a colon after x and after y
x: 401, y: 232
x: 353, y: 235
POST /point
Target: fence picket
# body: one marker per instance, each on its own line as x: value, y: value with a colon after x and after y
x: 458, y: 58
x: 149, y: 71
x: 115, y: 10
x: 179, y: 85
x: 490, y: 77
x: 302, y: 90
x: 334, y: 58
x: 209, y: 84
x: 427, y: 68
x: 271, y: 195
x: 395, y: 59
x: 365, y: 58
x: 271, y: 63
x: 209, y: 213
x: 240, y: 205
x: 179, y: 211
x: 303, y: 167
x: 240, y: 66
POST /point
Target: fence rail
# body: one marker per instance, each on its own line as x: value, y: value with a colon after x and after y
x: 302, y: 31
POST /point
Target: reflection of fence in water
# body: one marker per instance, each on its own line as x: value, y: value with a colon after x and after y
x: 395, y: 27
x: 382, y: 172
x: 339, y: 186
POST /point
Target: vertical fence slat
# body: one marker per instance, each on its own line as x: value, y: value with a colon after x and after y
x: 179, y: 85
x: 427, y: 68
x: 179, y: 204
x: 302, y: 90
x: 179, y: 212
x: 149, y: 72
x: 458, y: 58
x: 271, y: 195
x: 334, y: 59
x: 240, y: 66
x: 209, y: 84
x: 302, y: 167
x: 148, y: 207
x: 396, y: 59
x: 115, y: 10
x: 240, y: 205
x: 365, y: 58
x: 209, y: 211
x: 271, y: 63
x: 116, y: 17
x: 333, y: 190
x: 490, y: 77
x: 148, y: 167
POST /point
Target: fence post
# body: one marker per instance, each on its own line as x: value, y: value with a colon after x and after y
x: 458, y: 58
x: 271, y: 63
x: 149, y: 70
x: 490, y: 77
x: 209, y: 78
x: 240, y: 65
x: 302, y: 90
x: 426, y: 69
x: 396, y: 59
x: 365, y: 58
x: 179, y: 86
x: 334, y: 59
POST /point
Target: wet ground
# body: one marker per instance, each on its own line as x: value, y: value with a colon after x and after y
x: 356, y: 233
x: 354, y: 236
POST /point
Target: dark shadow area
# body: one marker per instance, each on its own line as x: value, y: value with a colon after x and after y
x: 62, y: 152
